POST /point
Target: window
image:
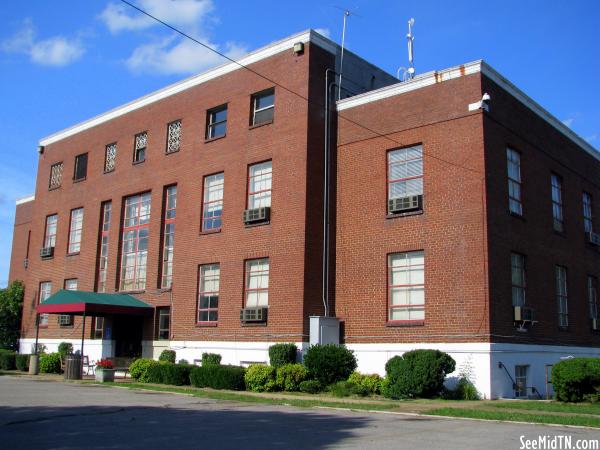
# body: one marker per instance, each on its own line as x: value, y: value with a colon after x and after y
x: 164, y: 319
x: 561, y: 296
x: 517, y: 263
x: 212, y: 207
x: 208, y: 294
x: 75, y: 230
x: 521, y: 381
x: 80, y: 172
x: 45, y: 292
x: 263, y: 106
x: 216, y: 122
x: 406, y: 285
x: 134, y: 253
x: 557, y: 204
x: 139, y: 149
x: 587, y: 213
x: 103, y: 254
x: 71, y: 284
x: 56, y: 171
x: 110, y: 157
x: 515, y: 205
x: 98, y: 328
x: 170, y: 203
x: 66, y: 320
x: 260, y: 178
x: 405, y: 179
x: 173, y: 136
x: 592, y: 287
x: 257, y: 283
x: 50, y: 232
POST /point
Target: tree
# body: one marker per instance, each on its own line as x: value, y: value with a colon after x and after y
x: 11, y: 301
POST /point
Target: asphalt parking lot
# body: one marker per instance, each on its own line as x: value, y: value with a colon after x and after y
x: 44, y: 415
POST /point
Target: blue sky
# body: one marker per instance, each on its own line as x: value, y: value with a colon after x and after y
x: 64, y: 61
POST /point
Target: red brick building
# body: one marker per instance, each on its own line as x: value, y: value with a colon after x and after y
x: 454, y: 223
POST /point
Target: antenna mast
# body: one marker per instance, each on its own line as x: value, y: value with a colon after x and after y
x: 410, y: 38
x: 346, y: 14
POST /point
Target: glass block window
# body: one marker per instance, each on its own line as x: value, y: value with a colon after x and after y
x: 515, y: 205
x: 216, y: 122
x: 406, y: 285
x: 45, y: 292
x: 103, y: 255
x: 173, y: 136
x: 110, y: 157
x: 557, y: 204
x: 134, y: 253
x: 80, y: 172
x: 139, y: 149
x: 405, y: 172
x: 56, y: 171
x: 50, y: 233
x: 164, y: 324
x: 257, y: 283
x: 517, y: 264
x: 561, y: 296
x: 592, y: 288
x: 263, y: 107
x: 212, y: 206
x: 208, y: 293
x: 260, y: 178
x: 587, y: 213
x: 75, y: 230
x: 168, y: 236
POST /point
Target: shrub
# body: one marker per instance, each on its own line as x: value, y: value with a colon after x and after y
x: 574, y: 379
x: 50, y: 363
x: 346, y: 389
x: 289, y: 377
x: 7, y: 360
x: 218, y: 377
x: 168, y: 356
x: 418, y: 373
x: 183, y: 361
x: 464, y: 390
x: 260, y: 378
x: 139, y: 369
x: 176, y: 374
x: 11, y: 301
x: 372, y: 383
x: 329, y: 363
x: 65, y: 348
x: 282, y: 354
x: 311, y: 387
x: 211, y: 358
x: 22, y: 362
x: 154, y: 373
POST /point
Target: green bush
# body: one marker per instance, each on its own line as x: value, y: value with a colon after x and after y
x: 218, y: 377
x: 260, y: 378
x: 289, y: 377
x: 155, y: 373
x: 347, y: 388
x: 176, y: 374
x: 464, y: 390
x: 65, y: 348
x: 183, y: 361
x: 11, y: 302
x: 22, y: 362
x: 329, y: 363
x: 575, y: 379
x: 168, y: 356
x: 139, y: 369
x: 372, y: 383
x: 7, y: 360
x: 418, y: 373
x: 50, y: 363
x: 282, y: 354
x: 211, y: 358
x: 311, y: 387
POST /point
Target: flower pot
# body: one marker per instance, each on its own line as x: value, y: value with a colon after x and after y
x: 103, y: 375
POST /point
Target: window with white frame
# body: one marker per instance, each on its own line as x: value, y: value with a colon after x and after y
x: 406, y: 286
x: 515, y: 205
x: 263, y: 107
x: 521, y: 373
x: 592, y: 288
x: 134, y: 253
x: 50, y: 232
x: 405, y: 178
x: 260, y: 177
x: 75, y: 231
x: 557, y: 204
x: 45, y: 292
x: 587, y: 213
x: 164, y: 324
x: 66, y: 320
x: 139, y: 148
x: 561, y: 296
x: 212, y: 205
x: 208, y: 294
x: 56, y: 171
x: 103, y: 255
x: 517, y: 264
x: 173, y: 136
x: 216, y: 122
x: 168, y: 236
x: 110, y: 157
x: 257, y: 283
x: 98, y: 332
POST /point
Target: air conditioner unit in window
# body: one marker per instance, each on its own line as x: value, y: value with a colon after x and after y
x: 250, y: 315
x: 65, y: 320
x: 595, y: 324
x: 523, y: 314
x: 47, y: 252
x: 256, y: 215
x: 593, y: 238
x: 404, y: 204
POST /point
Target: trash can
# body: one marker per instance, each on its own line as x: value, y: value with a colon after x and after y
x: 73, y: 367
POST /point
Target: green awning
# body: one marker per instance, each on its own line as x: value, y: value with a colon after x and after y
x: 92, y: 303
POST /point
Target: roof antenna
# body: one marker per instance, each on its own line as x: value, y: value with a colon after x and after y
x: 409, y: 73
x: 346, y: 14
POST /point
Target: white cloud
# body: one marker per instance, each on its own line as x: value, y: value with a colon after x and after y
x: 591, y: 138
x: 55, y: 51
x: 568, y: 122
x: 324, y: 31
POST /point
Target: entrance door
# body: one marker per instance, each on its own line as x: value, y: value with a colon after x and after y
x: 127, y: 333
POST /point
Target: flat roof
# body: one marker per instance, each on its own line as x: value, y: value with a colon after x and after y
x: 27, y: 199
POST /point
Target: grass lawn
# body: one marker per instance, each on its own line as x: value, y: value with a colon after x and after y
x: 534, y: 405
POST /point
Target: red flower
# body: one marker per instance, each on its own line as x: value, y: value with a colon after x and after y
x: 105, y: 363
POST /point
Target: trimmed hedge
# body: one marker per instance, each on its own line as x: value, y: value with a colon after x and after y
x: 260, y: 378
x: 329, y: 363
x: 7, y: 360
x: 418, y: 373
x: 139, y: 369
x: 168, y: 356
x: 211, y: 358
x: 371, y: 383
x: 282, y: 354
x: 22, y: 362
x: 50, y: 363
x: 154, y: 373
x: 168, y: 373
x: 289, y: 377
x: 575, y: 379
x: 218, y: 377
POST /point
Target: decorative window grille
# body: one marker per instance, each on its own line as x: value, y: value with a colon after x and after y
x: 75, y: 230
x: 168, y: 236
x: 587, y: 213
x: 557, y: 204
x: 212, y: 207
x: 406, y: 284
x: 174, y: 136
x: 405, y: 172
x: 110, y: 157
x: 139, y: 150
x: 45, y: 292
x: 56, y: 171
x: 517, y: 263
x: 260, y: 179
x: 257, y: 283
x: 104, y: 237
x: 515, y: 205
x: 50, y: 233
x: 263, y: 107
x: 134, y: 252
x: 208, y: 293
x: 561, y: 296
x: 216, y: 125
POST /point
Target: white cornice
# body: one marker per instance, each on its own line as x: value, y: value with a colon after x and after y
x: 27, y: 199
